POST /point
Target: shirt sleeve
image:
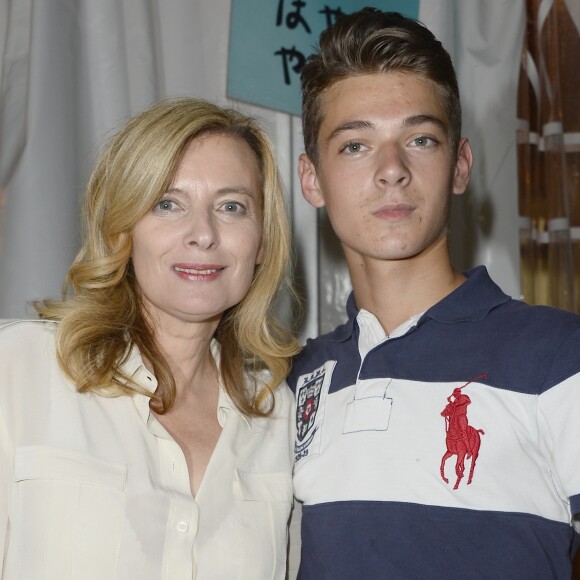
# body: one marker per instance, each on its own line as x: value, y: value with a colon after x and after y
x: 559, y: 423
x: 575, y: 507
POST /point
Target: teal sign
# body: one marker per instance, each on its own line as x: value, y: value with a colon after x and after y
x: 270, y: 40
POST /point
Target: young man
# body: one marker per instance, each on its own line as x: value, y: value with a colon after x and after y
x: 438, y: 430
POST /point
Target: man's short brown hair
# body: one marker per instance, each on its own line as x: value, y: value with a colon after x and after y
x: 373, y: 41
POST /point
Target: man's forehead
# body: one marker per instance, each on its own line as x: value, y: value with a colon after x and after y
x: 361, y: 101
x: 386, y: 91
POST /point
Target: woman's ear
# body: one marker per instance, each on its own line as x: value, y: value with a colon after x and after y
x: 260, y: 254
x: 309, y: 181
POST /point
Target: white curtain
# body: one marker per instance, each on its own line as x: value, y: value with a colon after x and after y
x: 72, y: 71
x: 484, y: 38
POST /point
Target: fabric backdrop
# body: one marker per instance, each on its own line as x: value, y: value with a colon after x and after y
x: 72, y: 71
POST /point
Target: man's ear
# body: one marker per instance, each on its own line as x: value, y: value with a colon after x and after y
x: 463, y: 165
x: 309, y: 181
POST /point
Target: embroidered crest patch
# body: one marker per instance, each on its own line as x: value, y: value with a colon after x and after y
x: 308, y: 400
x: 310, y: 390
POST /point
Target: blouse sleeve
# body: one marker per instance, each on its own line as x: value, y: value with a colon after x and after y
x: 6, y: 470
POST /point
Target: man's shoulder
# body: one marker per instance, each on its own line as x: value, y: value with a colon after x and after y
x: 500, y: 307
x: 548, y: 320
x: 319, y: 350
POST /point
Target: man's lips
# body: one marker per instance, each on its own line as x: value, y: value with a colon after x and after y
x: 394, y: 211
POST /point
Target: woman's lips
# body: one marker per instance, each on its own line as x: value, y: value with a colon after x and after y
x: 198, y: 271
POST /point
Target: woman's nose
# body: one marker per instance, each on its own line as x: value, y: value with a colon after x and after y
x: 202, y: 230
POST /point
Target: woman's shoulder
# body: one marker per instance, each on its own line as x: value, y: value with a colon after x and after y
x: 27, y: 360
x: 28, y: 335
x: 283, y: 400
x: 29, y: 328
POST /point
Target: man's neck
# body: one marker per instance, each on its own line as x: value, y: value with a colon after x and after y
x: 396, y: 290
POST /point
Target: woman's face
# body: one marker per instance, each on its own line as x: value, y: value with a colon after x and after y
x: 195, y: 252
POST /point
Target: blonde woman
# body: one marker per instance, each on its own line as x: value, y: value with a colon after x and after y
x: 142, y: 430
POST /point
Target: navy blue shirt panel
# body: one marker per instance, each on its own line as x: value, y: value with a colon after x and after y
x: 354, y: 538
x: 495, y: 332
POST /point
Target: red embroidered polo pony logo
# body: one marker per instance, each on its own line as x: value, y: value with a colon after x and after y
x: 461, y: 438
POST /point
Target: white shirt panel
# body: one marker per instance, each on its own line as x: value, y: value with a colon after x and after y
x: 374, y: 448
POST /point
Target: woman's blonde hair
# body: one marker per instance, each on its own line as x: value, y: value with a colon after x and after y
x: 100, y: 314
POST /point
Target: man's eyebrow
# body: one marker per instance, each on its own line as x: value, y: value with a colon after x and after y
x: 351, y: 126
x: 415, y: 120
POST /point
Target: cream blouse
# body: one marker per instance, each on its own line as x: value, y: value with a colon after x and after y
x: 94, y: 488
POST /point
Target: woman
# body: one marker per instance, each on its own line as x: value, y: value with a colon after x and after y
x: 141, y: 431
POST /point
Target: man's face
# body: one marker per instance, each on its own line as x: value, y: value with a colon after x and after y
x: 386, y: 168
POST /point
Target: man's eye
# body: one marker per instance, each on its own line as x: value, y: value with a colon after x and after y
x: 424, y: 141
x: 353, y: 147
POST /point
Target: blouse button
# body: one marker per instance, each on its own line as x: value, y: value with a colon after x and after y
x: 182, y: 527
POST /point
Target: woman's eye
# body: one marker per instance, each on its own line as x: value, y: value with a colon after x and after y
x: 164, y: 206
x: 233, y: 207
